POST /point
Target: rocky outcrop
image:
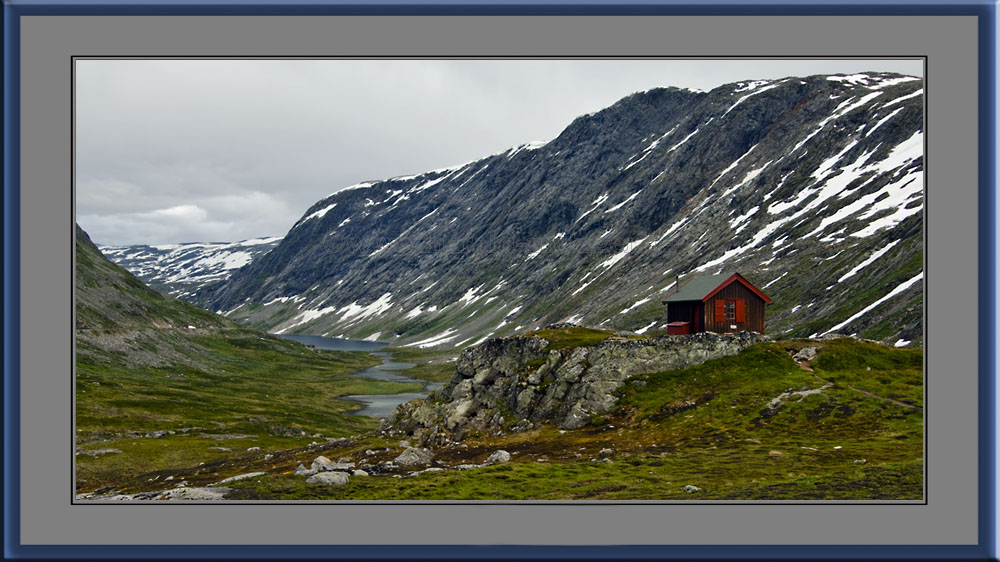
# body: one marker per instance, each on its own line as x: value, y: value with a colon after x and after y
x: 511, y: 384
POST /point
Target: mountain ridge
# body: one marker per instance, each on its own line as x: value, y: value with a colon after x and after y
x: 811, y: 187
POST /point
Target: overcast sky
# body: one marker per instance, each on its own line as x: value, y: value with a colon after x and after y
x: 225, y: 150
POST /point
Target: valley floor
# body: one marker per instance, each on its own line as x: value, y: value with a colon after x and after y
x: 775, y: 422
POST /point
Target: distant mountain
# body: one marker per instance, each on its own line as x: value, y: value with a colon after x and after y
x: 812, y: 188
x: 179, y: 269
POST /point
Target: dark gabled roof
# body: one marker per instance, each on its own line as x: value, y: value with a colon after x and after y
x: 703, y: 287
x: 695, y: 289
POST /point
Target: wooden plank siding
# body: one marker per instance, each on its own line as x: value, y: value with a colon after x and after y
x: 752, y: 315
x: 687, y: 311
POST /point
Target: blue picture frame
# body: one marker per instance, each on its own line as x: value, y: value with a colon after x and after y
x: 986, y: 13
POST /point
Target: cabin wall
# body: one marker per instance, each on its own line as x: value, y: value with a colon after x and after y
x: 680, y: 312
x: 754, y: 311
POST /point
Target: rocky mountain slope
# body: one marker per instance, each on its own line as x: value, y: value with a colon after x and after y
x: 812, y: 188
x: 179, y: 269
x: 110, y: 300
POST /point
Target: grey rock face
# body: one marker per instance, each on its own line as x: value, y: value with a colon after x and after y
x: 328, y: 478
x: 580, y: 382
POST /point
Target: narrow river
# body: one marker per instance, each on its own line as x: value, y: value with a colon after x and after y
x: 376, y: 405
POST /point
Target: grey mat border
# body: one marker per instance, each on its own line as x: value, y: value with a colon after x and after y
x: 50, y: 238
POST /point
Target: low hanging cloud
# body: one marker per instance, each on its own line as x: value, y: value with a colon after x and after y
x: 172, y: 151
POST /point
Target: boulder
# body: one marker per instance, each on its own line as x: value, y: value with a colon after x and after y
x: 324, y: 464
x: 328, y: 478
x: 321, y: 463
x: 498, y: 456
x: 414, y: 456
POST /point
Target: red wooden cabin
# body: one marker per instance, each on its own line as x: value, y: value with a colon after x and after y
x: 721, y: 303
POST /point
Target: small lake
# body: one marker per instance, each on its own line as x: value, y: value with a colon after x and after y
x: 337, y: 344
x: 376, y: 405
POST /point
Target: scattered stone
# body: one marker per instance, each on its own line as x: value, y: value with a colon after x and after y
x: 324, y: 464
x: 343, y: 459
x: 776, y: 453
x: 359, y: 472
x: 605, y: 452
x: 607, y: 461
x: 499, y: 456
x: 268, y: 457
x: 253, y: 449
x: 860, y: 461
x: 404, y: 444
x: 328, y: 478
x: 301, y: 470
x: 413, y: 456
x: 691, y: 489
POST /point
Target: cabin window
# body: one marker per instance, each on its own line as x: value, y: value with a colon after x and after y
x: 730, y: 310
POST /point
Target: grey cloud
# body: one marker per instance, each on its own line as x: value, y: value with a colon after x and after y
x: 252, y: 144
